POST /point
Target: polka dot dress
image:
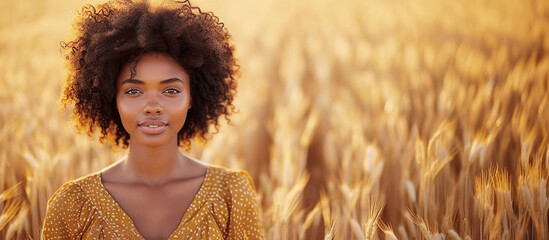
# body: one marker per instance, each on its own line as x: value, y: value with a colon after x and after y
x: 224, y: 208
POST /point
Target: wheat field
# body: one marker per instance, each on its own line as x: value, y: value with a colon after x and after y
x: 358, y: 119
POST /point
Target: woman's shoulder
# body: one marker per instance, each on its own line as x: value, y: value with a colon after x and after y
x: 233, y: 178
x: 245, y: 217
x: 70, y: 209
x: 73, y: 191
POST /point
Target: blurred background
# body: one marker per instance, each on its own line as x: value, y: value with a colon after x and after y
x: 358, y: 119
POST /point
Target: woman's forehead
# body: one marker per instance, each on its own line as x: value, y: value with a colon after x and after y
x: 152, y: 66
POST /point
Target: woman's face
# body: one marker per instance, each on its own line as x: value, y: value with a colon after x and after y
x: 153, y: 104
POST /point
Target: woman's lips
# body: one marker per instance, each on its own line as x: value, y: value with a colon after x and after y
x: 152, y: 127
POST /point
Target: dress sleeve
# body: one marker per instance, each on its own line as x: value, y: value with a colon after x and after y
x: 64, y: 213
x: 244, y: 217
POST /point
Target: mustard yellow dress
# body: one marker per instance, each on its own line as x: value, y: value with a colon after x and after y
x: 225, y: 207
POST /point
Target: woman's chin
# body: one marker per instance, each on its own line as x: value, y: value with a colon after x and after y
x: 153, y: 141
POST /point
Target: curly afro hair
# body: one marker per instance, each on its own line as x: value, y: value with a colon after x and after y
x: 112, y: 34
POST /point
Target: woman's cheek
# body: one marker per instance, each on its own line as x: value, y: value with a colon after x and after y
x: 128, y: 110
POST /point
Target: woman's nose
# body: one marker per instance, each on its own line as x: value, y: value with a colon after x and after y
x: 152, y: 107
x: 152, y: 110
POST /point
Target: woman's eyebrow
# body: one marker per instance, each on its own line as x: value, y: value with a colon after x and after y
x: 134, y: 81
x: 137, y: 81
x: 171, y: 80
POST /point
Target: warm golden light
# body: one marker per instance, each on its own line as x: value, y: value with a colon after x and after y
x: 358, y: 119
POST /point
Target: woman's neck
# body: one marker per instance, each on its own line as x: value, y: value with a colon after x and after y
x: 154, y: 165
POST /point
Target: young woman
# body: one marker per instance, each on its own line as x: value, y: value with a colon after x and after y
x: 151, y: 78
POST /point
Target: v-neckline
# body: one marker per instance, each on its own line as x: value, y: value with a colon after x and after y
x: 126, y: 218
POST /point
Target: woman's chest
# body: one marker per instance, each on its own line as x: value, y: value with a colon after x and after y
x: 156, y: 212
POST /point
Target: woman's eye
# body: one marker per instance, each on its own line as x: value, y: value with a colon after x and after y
x: 132, y: 91
x: 172, y: 91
